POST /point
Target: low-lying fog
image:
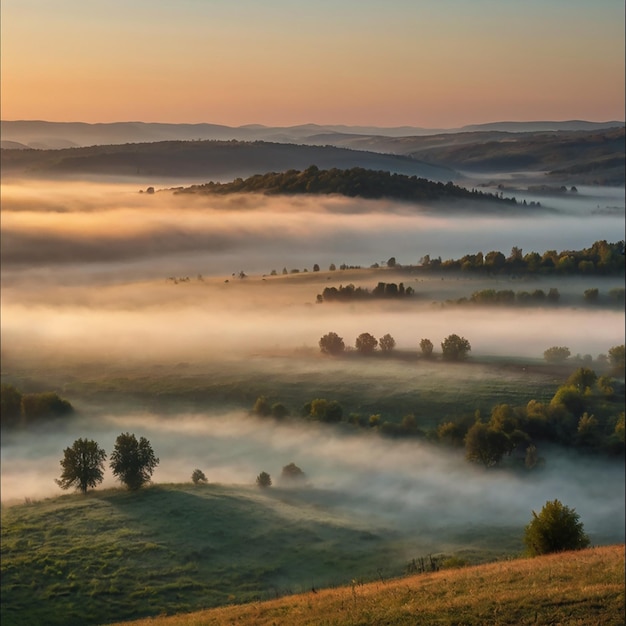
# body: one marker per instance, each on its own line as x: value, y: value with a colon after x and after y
x: 408, y: 485
x: 64, y: 232
x: 93, y: 272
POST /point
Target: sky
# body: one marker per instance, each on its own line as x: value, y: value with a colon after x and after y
x: 422, y: 63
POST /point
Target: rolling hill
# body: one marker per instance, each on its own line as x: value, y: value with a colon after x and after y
x: 221, y: 160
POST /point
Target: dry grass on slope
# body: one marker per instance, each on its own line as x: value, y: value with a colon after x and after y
x: 573, y: 588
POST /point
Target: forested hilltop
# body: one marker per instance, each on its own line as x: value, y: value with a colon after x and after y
x: 353, y: 182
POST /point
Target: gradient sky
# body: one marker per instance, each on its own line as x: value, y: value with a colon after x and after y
x: 436, y: 64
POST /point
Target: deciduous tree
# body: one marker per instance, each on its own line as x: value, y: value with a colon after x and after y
x: 263, y: 480
x: 82, y: 465
x: 366, y: 343
x: 198, y: 477
x: 455, y: 348
x: 133, y: 461
x: 331, y: 343
x: 387, y: 343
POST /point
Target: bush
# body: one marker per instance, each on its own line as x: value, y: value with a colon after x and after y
x: 555, y: 529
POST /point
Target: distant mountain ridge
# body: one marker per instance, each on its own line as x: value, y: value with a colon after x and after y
x: 594, y: 156
x: 41, y: 134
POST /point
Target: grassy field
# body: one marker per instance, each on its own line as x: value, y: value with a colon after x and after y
x: 572, y: 588
x: 431, y: 390
x: 115, y: 555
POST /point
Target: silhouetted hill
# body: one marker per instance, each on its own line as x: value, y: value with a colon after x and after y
x: 354, y: 182
x: 222, y: 160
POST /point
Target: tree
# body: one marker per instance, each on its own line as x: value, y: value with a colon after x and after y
x: 83, y: 465
x: 557, y: 354
x: 198, y: 477
x: 262, y: 406
x: 263, y: 480
x: 426, y: 346
x: 133, y: 461
x: 331, y: 343
x: 387, y: 343
x: 279, y: 410
x: 555, y: 529
x: 486, y: 445
x: 10, y: 403
x: 366, y: 343
x: 455, y: 348
x: 292, y: 472
x: 617, y: 358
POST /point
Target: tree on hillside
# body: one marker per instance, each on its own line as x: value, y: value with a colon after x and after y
x: 455, y: 348
x: 557, y: 354
x: 555, y: 529
x: 331, y: 343
x: 133, y: 461
x: 366, y: 343
x: 426, y: 346
x: 82, y: 465
x: 263, y: 480
x: 198, y: 477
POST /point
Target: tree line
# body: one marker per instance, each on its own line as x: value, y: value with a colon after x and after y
x: 453, y: 347
x: 601, y: 258
x: 21, y: 409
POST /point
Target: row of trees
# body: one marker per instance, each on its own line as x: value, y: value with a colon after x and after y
x: 616, y: 358
x: 132, y: 461
x: 601, y: 258
x: 291, y: 475
x: 508, y: 297
x: 453, y: 347
x: 350, y: 293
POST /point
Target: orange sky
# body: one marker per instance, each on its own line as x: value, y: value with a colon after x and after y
x: 400, y: 62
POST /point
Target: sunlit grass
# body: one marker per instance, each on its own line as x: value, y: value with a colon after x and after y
x: 573, y: 588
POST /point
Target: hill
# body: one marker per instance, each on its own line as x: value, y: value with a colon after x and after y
x: 354, y: 182
x: 222, y: 160
x: 53, y: 135
x: 585, y: 587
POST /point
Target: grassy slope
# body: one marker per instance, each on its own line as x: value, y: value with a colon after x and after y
x: 115, y: 555
x: 579, y: 588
